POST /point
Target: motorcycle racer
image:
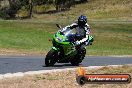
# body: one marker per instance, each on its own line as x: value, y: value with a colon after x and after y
x: 82, y: 29
x: 70, y: 45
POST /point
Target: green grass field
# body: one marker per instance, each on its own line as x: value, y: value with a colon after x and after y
x: 110, y: 38
x: 110, y: 10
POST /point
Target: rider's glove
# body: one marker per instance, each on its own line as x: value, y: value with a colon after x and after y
x: 77, y: 43
x: 63, y: 29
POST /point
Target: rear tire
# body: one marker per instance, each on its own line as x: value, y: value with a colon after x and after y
x: 79, y: 57
x: 51, y: 58
x: 75, y: 63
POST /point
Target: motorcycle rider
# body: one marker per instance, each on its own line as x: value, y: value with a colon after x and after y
x: 83, y: 30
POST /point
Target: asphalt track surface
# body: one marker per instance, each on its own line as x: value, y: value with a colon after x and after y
x: 13, y: 64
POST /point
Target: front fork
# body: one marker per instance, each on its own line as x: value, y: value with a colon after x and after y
x: 58, y: 52
x: 56, y: 49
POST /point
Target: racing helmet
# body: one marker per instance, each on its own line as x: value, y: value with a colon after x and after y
x: 82, y: 20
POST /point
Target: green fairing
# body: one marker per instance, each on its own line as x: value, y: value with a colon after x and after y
x: 67, y: 46
x: 54, y: 48
x: 60, y: 36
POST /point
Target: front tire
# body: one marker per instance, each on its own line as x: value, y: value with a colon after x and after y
x: 51, y: 57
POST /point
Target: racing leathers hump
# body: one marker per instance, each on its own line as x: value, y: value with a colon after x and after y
x: 83, y: 31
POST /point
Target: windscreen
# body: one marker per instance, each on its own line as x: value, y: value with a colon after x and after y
x: 68, y: 32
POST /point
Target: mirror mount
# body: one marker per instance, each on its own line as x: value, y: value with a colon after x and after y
x: 58, y: 26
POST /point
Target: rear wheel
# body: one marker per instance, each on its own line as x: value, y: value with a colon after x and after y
x: 51, y: 58
x: 79, y: 57
x: 75, y: 63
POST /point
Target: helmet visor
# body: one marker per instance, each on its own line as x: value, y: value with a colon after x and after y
x: 81, y: 22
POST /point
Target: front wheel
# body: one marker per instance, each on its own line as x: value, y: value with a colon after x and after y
x: 51, y: 58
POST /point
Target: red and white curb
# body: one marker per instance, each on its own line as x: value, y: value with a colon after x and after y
x: 21, y: 74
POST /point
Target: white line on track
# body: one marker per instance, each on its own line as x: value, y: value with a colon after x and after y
x: 21, y: 74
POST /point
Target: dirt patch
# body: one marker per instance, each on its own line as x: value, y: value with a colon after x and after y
x: 64, y: 79
x: 14, y: 52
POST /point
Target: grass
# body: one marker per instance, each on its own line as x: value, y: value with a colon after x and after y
x: 111, y: 10
x: 94, y: 9
x: 31, y: 35
x: 65, y: 79
x: 104, y: 9
x: 26, y: 36
x: 110, y: 38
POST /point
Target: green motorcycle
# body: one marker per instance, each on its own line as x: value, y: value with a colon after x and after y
x: 64, y: 49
